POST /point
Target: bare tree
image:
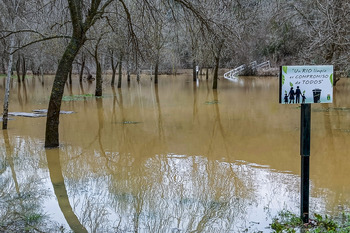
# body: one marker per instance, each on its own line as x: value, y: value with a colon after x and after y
x: 80, y: 25
x: 13, y: 8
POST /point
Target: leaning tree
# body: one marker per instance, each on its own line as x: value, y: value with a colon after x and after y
x: 83, y: 15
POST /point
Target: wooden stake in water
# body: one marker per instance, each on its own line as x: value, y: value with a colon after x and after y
x: 305, y: 129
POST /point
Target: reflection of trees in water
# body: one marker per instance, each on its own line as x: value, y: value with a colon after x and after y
x: 217, y: 125
x: 174, y: 192
x: 148, y: 191
x: 160, y: 119
x: 128, y: 185
x: 23, y: 189
x: 54, y: 166
x: 195, y: 97
x: 161, y: 193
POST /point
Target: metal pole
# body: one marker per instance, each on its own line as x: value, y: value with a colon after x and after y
x: 305, y: 129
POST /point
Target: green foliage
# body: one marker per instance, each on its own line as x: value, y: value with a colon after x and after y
x: 76, y: 97
x: 286, y: 222
x: 289, y: 222
x: 331, y: 78
x: 5, y: 75
x: 290, y: 84
x: 283, y: 79
x: 33, y: 218
x: 326, y: 224
x: 284, y: 68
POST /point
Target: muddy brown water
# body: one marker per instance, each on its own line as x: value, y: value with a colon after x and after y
x: 177, y: 157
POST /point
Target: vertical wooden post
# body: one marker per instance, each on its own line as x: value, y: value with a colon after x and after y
x: 305, y: 129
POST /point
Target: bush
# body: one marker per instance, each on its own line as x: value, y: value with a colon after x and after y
x: 289, y: 222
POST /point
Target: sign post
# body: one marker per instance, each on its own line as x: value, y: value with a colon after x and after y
x: 313, y: 84
x: 305, y: 130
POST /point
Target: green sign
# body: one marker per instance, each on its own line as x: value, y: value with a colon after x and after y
x: 306, y: 84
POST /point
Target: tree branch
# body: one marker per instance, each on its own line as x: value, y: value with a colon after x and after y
x: 19, y: 31
x: 40, y: 40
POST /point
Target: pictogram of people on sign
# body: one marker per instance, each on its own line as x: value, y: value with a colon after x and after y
x: 291, y: 95
x: 297, y: 95
x: 294, y: 96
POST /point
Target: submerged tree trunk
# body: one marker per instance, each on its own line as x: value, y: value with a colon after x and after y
x: 128, y: 74
x: 7, y: 88
x: 70, y: 75
x: 82, y: 68
x: 64, y: 66
x: 3, y: 63
x: 18, y: 69
x: 138, y: 76
x: 98, y: 90
x: 120, y: 72
x: 217, y: 61
x: 207, y: 74
x: 114, y: 69
x: 41, y: 75
x: 194, y: 70
x: 156, y: 73
x: 32, y: 68
x: 24, y: 68
x: 216, y: 71
x: 128, y: 69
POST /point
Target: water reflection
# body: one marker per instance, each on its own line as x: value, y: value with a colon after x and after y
x: 57, y: 179
x: 160, y: 121
x: 173, y: 157
x: 22, y: 188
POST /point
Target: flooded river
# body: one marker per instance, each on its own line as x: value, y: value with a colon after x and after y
x: 177, y: 157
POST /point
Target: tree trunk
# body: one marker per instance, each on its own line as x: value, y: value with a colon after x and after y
x: 194, y: 70
x: 3, y: 66
x: 64, y: 66
x: 32, y: 68
x: 18, y: 69
x: 82, y: 68
x: 216, y: 71
x: 207, y: 74
x: 114, y: 70
x: 128, y: 75
x: 98, y: 90
x: 41, y: 75
x: 7, y: 88
x: 217, y: 61
x: 128, y: 69
x: 138, y: 76
x: 156, y: 73
x: 70, y: 75
x: 120, y: 72
x: 24, y: 68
